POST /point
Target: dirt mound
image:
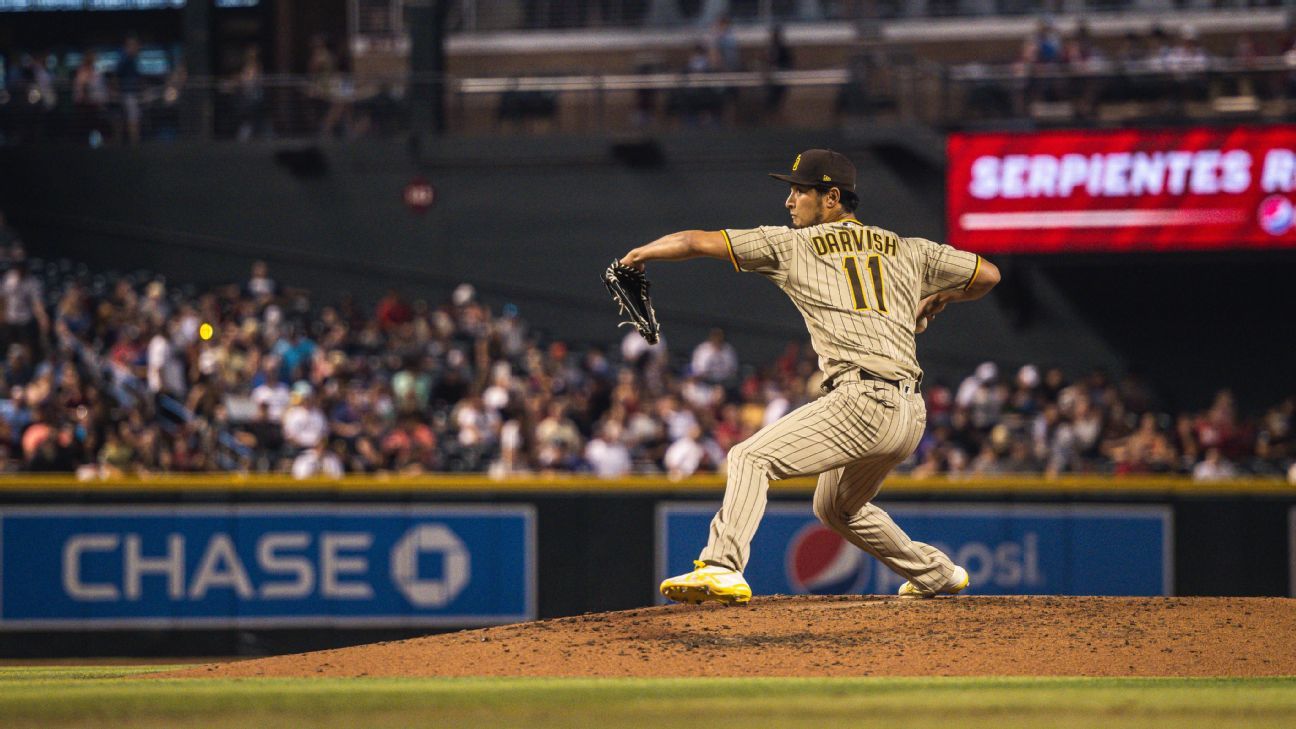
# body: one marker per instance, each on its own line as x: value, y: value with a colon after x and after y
x: 845, y: 636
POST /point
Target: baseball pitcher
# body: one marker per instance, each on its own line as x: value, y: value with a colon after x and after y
x: 864, y: 293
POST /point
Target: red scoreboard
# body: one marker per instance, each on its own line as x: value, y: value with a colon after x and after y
x: 1124, y: 190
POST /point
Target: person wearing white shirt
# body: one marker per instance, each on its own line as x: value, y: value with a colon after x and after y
x: 1214, y: 467
x: 317, y: 461
x: 715, y: 360
x: 274, y: 394
x: 684, y: 456
x: 165, y: 371
x: 606, y: 454
x: 304, y: 424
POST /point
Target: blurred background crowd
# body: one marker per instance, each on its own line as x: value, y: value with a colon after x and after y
x: 108, y: 373
x: 722, y: 64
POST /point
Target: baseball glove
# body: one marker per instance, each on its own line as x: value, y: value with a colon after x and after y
x: 629, y: 289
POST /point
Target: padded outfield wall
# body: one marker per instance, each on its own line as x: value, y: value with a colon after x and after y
x: 211, y: 564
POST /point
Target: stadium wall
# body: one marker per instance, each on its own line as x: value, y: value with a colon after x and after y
x: 528, y: 219
x: 217, y: 565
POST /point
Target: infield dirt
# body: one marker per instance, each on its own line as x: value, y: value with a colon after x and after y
x: 844, y: 636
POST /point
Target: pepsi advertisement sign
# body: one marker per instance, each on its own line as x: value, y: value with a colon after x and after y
x: 1007, y: 549
x: 266, y: 566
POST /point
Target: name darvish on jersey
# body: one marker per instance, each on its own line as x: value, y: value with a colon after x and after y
x: 856, y: 240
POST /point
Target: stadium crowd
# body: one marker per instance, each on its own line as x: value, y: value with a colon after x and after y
x: 1164, y: 68
x: 108, y: 375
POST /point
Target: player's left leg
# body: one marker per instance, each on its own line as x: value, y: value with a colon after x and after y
x: 868, y: 527
x: 829, y: 432
x: 837, y: 429
x: 843, y: 502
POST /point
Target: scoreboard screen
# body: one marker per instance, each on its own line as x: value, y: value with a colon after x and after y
x: 1123, y: 190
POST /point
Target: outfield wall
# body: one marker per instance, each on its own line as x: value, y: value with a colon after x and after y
x: 206, y: 564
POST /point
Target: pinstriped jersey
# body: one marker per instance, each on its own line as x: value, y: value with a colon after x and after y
x: 857, y: 286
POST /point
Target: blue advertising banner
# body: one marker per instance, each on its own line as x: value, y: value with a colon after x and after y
x: 266, y: 566
x: 1007, y: 549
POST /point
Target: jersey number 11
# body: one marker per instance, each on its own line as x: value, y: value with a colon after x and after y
x: 874, y: 265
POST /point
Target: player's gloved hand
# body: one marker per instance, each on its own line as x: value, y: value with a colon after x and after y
x: 629, y: 289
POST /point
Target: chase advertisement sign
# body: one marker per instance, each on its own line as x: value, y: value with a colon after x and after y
x: 266, y: 566
x: 1007, y: 549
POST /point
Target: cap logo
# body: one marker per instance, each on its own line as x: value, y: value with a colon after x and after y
x: 796, y: 163
x: 827, y: 178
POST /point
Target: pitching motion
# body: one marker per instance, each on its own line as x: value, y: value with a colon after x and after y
x: 864, y: 293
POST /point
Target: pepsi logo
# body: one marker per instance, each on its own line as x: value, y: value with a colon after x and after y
x: 820, y: 562
x: 1276, y: 214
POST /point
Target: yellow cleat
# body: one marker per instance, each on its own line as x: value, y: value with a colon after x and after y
x: 708, y: 582
x: 959, y: 583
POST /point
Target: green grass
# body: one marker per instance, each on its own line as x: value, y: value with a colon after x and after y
x: 116, y: 696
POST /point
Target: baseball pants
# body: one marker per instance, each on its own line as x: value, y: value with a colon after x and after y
x: 852, y: 437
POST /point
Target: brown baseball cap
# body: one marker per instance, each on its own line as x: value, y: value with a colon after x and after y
x: 821, y: 168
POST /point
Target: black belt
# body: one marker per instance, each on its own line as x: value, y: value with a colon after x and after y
x: 865, y: 376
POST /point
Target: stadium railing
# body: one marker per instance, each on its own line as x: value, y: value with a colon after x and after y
x: 350, y: 107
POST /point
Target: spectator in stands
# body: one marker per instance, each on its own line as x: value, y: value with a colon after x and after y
x: 715, y: 360
x: 722, y: 46
x: 34, y: 97
x: 260, y: 286
x: 271, y: 391
x: 976, y: 385
x: 166, y: 374
x: 1040, y: 57
x: 778, y: 57
x: 1085, y: 59
x: 90, y: 99
x: 304, y: 424
x: 1214, y: 467
x: 249, y: 96
x: 263, y: 435
x: 1187, y: 56
x: 685, y: 455
x: 393, y: 311
x: 1146, y: 450
x: 130, y: 83
x: 321, y: 67
x: 1158, y: 51
x: 606, y: 453
x: 25, y: 320
x: 318, y: 460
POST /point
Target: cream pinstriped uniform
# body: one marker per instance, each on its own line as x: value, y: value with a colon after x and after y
x: 858, y: 288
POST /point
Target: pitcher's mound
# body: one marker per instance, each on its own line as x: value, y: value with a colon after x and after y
x: 846, y: 636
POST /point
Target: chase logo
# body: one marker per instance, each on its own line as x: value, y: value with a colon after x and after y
x: 436, y: 540
x: 266, y: 565
x: 820, y: 562
x: 1276, y: 214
